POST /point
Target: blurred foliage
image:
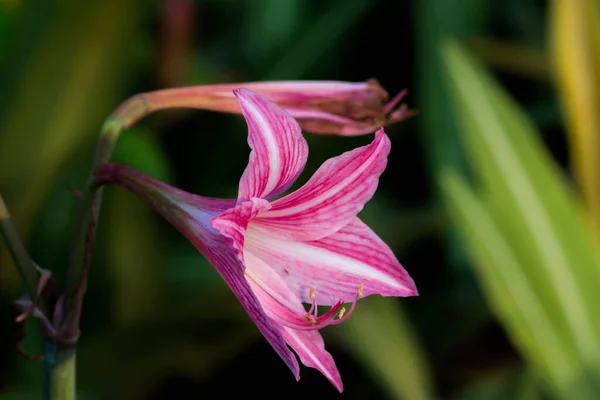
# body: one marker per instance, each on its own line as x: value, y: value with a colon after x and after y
x: 478, y: 202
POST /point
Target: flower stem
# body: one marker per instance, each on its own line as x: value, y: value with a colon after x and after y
x: 82, y: 244
x: 83, y: 241
x: 59, y: 372
x: 17, y: 250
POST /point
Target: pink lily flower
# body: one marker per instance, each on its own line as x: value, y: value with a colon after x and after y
x: 308, y: 246
x: 326, y: 107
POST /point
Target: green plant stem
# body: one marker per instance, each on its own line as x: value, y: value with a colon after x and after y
x: 130, y: 111
x: 83, y: 239
x: 17, y: 250
x: 60, y: 368
x: 59, y: 372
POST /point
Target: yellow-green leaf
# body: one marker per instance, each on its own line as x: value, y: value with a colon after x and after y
x: 510, y: 292
x: 575, y: 43
x: 534, y: 210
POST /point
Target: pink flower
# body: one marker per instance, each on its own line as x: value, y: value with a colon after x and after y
x: 308, y: 246
x: 328, y: 107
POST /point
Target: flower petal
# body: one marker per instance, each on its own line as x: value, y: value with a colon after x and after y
x: 280, y: 303
x: 334, y: 266
x: 279, y: 151
x: 310, y: 348
x: 233, y: 222
x: 191, y: 215
x: 328, y: 107
x: 232, y: 271
x: 271, y: 289
x: 332, y: 197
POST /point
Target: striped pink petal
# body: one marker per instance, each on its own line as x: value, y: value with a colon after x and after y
x: 334, y: 195
x: 232, y: 223
x: 279, y: 151
x: 191, y: 215
x: 283, y: 306
x: 232, y: 271
x: 334, y: 266
x: 310, y: 348
x: 275, y: 295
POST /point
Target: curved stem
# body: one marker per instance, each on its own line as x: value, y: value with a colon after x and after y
x: 129, y: 112
x: 82, y: 243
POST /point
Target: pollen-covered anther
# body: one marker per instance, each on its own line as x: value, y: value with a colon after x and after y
x: 342, y: 315
x: 310, y: 318
x: 311, y: 293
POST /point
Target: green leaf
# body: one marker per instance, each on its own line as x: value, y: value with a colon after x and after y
x: 575, y: 40
x: 70, y: 83
x: 381, y: 336
x: 317, y: 39
x: 532, y: 219
x: 508, y: 289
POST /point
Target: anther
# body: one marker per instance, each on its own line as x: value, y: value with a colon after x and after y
x: 311, y: 293
x: 310, y: 318
x: 360, y: 289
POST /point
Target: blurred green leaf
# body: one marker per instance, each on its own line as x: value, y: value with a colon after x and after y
x: 436, y: 20
x: 317, y: 38
x: 381, y: 336
x: 271, y: 25
x: 70, y: 83
x: 533, y: 251
x: 508, y: 289
x: 575, y: 40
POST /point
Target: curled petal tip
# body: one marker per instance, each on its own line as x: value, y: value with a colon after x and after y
x: 380, y: 134
x: 240, y: 92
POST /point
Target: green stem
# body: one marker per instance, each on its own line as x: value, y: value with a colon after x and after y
x: 59, y: 374
x: 82, y: 243
x: 17, y: 250
x: 61, y: 366
x: 83, y: 238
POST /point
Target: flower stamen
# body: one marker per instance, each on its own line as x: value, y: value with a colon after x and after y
x: 310, y: 320
x: 389, y: 107
x: 342, y: 316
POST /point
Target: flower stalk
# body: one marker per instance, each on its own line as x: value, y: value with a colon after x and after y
x: 59, y: 359
x: 59, y: 373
